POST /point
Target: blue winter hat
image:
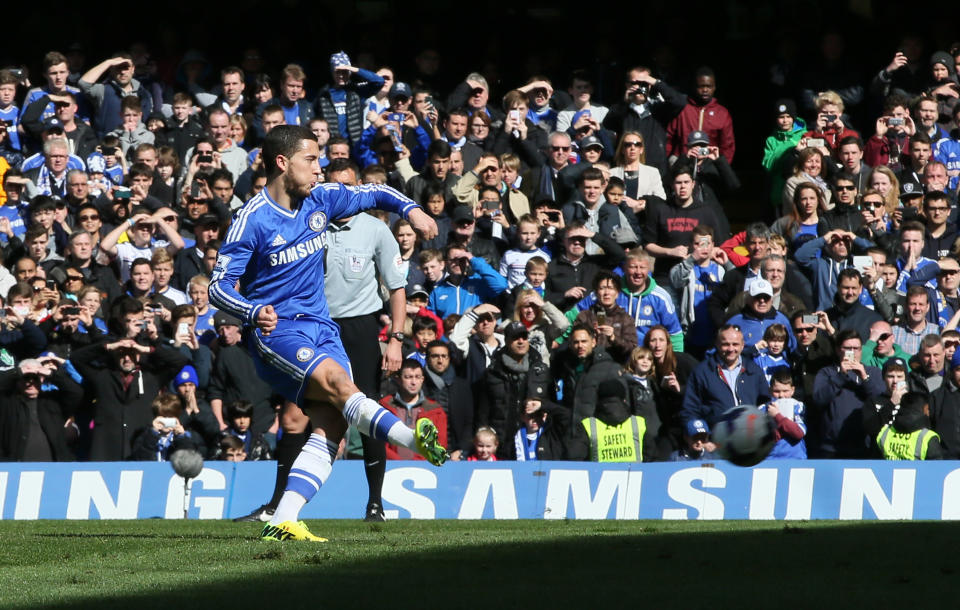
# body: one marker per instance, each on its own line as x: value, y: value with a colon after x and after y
x: 187, y: 374
x: 339, y: 60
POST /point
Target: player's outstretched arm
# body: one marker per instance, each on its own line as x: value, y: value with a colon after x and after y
x: 423, y: 223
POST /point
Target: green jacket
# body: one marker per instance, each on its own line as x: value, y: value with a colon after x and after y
x: 870, y: 357
x: 775, y: 156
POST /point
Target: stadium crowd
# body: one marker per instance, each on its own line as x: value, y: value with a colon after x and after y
x: 586, y: 297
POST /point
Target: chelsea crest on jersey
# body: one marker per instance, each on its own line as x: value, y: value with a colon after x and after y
x: 317, y: 222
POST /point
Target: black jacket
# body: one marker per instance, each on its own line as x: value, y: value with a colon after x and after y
x: 855, y: 316
x: 121, y: 413
x: 652, y: 123
x: 580, y: 391
x: 945, y: 418
x: 53, y: 409
x: 506, y: 385
x: 456, y: 398
x: 563, y: 275
x: 235, y: 378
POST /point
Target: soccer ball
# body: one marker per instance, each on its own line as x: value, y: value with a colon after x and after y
x: 745, y: 435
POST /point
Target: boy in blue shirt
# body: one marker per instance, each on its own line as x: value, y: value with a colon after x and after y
x: 790, y: 416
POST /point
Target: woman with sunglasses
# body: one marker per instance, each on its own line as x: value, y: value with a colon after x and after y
x: 641, y: 180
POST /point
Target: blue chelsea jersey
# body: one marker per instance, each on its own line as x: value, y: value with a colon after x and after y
x: 277, y: 255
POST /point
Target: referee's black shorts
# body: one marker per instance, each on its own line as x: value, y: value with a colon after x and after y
x: 360, y: 337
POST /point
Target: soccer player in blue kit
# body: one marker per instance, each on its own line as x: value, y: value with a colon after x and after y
x: 269, y: 273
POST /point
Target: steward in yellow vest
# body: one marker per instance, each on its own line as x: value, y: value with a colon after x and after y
x: 910, y: 436
x: 613, y: 434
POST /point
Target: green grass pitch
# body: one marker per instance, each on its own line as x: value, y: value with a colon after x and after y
x: 491, y: 565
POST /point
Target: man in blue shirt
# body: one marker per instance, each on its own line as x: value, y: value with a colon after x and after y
x: 274, y: 253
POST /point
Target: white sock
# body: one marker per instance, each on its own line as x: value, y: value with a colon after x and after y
x: 376, y: 422
x: 307, y: 475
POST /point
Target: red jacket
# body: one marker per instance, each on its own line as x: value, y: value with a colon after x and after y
x: 878, y: 150
x: 425, y: 408
x: 711, y: 118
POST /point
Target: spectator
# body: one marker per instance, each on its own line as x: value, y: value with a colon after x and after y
x: 543, y: 181
x: 343, y: 93
x: 909, y: 437
x: 697, y: 445
x: 37, y: 411
x: 848, y: 311
x: 613, y: 434
x: 165, y: 433
x: 914, y: 326
x: 107, y: 97
x: 825, y: 257
x: 702, y: 113
x: 777, y: 152
x: 881, y: 346
x: 469, y: 280
x: 889, y: 144
x: 410, y: 404
x: 648, y: 106
x: 545, y: 323
x: 569, y: 273
x: 124, y: 389
x: 945, y: 410
x: 790, y: 415
x: 809, y: 168
x: 829, y: 122
x: 615, y: 329
x: 758, y: 315
x: 579, y: 369
x: 839, y: 393
x: 443, y: 385
x: 880, y: 409
x: 723, y: 381
x: 775, y: 270
x: 515, y: 374
x: 234, y: 378
x: 544, y: 432
x: 476, y: 338
x: 139, y: 244
x: 485, y: 445
x: 927, y: 376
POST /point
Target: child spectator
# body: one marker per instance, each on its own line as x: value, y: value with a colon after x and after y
x: 239, y: 420
x: 694, y: 279
x: 115, y: 165
x: 197, y: 291
x: 232, y: 449
x: 485, y: 445
x: 513, y: 265
x: 424, y: 331
x: 165, y: 433
x: 771, y: 351
x: 776, y: 152
x: 545, y: 426
x: 696, y: 443
x: 790, y: 416
x: 534, y: 276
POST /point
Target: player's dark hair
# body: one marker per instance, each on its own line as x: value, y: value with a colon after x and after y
x: 283, y: 140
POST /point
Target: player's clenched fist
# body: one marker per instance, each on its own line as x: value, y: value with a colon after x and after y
x: 423, y: 224
x: 266, y: 319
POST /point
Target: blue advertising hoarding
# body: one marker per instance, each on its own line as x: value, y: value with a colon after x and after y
x: 500, y: 490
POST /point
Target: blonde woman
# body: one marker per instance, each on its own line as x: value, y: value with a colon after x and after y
x: 630, y: 166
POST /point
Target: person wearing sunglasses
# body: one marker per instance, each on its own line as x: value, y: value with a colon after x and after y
x: 544, y: 181
x: 835, y: 250
x: 881, y: 347
x: 845, y: 213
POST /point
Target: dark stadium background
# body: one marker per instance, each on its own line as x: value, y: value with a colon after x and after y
x: 509, y: 41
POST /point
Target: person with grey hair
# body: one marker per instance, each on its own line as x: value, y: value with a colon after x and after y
x: 474, y: 94
x: 756, y: 239
x: 773, y: 269
x: 50, y: 177
x: 546, y: 181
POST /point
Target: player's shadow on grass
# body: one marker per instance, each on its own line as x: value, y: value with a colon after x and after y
x: 856, y: 565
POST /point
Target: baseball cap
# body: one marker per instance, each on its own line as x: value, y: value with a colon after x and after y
x: 698, y: 137
x: 417, y: 290
x: 909, y: 188
x: 589, y: 141
x: 222, y: 318
x: 514, y: 330
x: 400, y: 90
x: 697, y: 426
x: 760, y: 286
x: 52, y: 123
x: 896, y: 362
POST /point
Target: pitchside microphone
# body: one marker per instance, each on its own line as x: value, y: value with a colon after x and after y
x: 187, y: 463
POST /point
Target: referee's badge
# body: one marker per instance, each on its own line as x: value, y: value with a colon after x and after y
x: 304, y: 354
x: 318, y: 220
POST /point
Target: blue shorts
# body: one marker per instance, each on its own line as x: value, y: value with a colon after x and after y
x: 286, y: 358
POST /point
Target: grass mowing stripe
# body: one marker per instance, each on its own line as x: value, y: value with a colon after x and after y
x: 500, y: 564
